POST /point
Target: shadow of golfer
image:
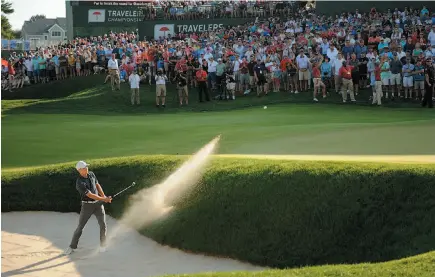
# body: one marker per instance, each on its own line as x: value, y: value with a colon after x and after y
x: 24, y: 270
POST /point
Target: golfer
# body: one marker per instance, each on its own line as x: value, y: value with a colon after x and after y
x: 92, y: 197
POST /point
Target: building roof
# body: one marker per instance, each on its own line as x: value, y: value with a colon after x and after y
x: 41, y: 26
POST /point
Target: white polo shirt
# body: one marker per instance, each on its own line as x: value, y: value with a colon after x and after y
x: 212, y: 66
x: 302, y: 61
x: 112, y: 64
x: 134, y: 80
x: 161, y: 80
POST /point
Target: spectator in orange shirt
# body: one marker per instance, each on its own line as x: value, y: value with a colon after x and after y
x: 283, y: 65
x: 150, y: 55
x: 345, y: 73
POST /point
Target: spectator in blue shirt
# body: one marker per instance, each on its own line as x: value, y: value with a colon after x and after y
x: 347, y: 50
x: 360, y: 48
x: 326, y: 71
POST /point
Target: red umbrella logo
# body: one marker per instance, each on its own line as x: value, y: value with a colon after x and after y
x: 96, y: 14
x: 164, y: 29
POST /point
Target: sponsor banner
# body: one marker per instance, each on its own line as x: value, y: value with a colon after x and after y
x: 110, y: 3
x: 103, y: 15
x: 96, y: 15
x: 199, y: 28
x: 163, y: 28
x: 106, y: 16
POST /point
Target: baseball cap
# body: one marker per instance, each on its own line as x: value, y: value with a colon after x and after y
x: 81, y: 165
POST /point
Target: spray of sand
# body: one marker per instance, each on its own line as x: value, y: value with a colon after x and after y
x: 153, y: 203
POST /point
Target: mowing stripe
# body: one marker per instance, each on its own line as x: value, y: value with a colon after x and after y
x: 353, y: 158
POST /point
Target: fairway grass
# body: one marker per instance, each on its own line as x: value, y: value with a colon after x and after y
x: 419, y: 159
x: 39, y: 139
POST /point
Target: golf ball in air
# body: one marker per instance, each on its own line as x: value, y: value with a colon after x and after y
x: 265, y: 107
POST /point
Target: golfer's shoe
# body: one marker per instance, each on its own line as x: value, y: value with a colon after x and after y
x: 68, y: 251
x: 102, y: 249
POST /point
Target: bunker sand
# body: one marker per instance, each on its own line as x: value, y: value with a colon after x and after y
x: 343, y: 158
x: 33, y: 245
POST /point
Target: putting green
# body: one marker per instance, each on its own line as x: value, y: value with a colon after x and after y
x: 33, y: 139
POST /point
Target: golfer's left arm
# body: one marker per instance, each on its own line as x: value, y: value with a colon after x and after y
x: 100, y: 190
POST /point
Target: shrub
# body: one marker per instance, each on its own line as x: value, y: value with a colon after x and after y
x: 272, y: 213
x: 54, y: 89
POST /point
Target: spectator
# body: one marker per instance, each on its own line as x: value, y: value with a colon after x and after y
x: 134, y: 81
x: 161, y: 79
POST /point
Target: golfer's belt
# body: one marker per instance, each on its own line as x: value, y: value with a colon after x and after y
x: 90, y: 202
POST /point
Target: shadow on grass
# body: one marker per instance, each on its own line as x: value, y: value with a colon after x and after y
x: 87, y: 95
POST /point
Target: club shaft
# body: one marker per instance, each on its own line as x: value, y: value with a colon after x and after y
x: 123, y: 190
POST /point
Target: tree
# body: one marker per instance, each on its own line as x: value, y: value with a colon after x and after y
x: 37, y: 17
x: 7, y: 9
x: 17, y: 33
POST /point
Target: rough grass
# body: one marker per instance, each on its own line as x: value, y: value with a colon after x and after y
x: 268, y: 212
x: 88, y: 95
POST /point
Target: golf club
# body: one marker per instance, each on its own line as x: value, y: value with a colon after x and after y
x: 132, y: 185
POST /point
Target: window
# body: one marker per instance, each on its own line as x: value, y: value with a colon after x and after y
x: 46, y: 37
x: 55, y: 34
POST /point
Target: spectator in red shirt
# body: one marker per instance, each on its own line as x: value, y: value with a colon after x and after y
x: 377, y: 93
x: 181, y: 65
x: 128, y: 67
x: 345, y: 73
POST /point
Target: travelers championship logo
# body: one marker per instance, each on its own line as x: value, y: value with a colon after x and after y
x: 97, y: 15
x: 162, y: 30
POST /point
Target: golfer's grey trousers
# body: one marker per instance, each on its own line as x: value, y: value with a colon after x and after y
x: 89, y: 209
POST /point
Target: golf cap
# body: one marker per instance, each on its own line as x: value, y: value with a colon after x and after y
x: 81, y: 165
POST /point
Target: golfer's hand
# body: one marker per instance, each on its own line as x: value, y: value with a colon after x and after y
x: 108, y: 199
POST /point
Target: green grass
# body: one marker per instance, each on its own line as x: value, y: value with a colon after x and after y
x: 99, y: 123
x: 418, y: 266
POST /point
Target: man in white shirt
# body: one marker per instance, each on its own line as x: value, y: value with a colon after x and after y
x: 161, y: 79
x: 29, y: 67
x: 112, y: 65
x: 332, y: 53
x: 160, y: 87
x: 236, y: 70
x: 211, y: 78
x: 400, y: 52
x: 134, y: 80
x: 302, y: 63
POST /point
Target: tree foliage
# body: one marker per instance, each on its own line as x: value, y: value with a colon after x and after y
x: 37, y: 17
x: 7, y: 9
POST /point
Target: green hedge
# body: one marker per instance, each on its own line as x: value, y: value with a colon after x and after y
x: 272, y: 213
x: 55, y: 89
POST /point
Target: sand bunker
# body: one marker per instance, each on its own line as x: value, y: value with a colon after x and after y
x: 33, y: 245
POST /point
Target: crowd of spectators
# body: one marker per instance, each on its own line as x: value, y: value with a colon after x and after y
x: 390, y: 52
x: 182, y: 10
